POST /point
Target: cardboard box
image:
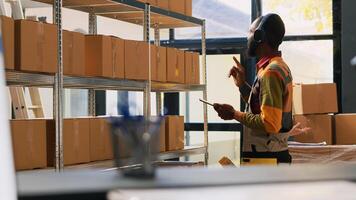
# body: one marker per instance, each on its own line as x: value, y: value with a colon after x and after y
x: 345, y: 129
x: 164, y: 4
x: 75, y: 142
x: 98, y: 56
x: 321, y: 128
x: 35, y: 46
x: 73, y: 53
x: 159, y: 68
x: 174, y: 133
x: 29, y: 143
x: 8, y: 41
x: 315, y: 98
x: 189, y: 7
x: 136, y: 60
x: 192, y: 68
x: 118, y: 57
x: 100, y: 140
x: 175, y: 66
x: 177, y: 6
x: 170, y: 133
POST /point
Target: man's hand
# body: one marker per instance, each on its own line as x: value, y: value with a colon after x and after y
x: 238, y: 73
x: 296, y: 130
x: 225, y: 111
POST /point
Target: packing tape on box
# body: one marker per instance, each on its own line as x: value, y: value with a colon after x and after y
x: 158, y: 56
x: 176, y: 72
x: 136, y: 51
x: 76, y: 137
x: 40, y: 45
x: 115, y: 51
x: 30, y: 134
x: 102, y: 132
x: 71, y: 52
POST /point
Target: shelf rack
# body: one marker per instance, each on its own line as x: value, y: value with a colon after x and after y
x: 131, y: 11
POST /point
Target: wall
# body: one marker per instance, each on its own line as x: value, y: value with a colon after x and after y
x: 348, y: 51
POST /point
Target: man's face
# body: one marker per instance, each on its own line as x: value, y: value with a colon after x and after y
x: 251, y: 44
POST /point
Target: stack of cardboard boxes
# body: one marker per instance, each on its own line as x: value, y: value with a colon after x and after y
x: 313, y: 106
x: 84, y: 140
x: 31, y: 46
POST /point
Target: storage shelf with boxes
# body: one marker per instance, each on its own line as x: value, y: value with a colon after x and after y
x: 106, y: 62
x: 85, y: 140
x: 94, y: 57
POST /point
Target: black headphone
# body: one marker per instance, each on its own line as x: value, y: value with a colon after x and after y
x: 260, y: 34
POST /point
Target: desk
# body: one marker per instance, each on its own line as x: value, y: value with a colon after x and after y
x: 95, y: 182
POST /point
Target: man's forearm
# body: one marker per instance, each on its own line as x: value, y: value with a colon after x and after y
x: 249, y: 120
x: 239, y: 116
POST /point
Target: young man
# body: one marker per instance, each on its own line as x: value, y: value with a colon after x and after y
x: 268, y: 118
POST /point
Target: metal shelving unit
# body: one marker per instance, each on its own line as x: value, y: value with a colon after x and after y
x: 124, y: 10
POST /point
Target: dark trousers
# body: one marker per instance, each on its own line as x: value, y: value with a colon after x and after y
x: 282, y: 156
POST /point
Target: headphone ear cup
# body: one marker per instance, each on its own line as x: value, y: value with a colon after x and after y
x: 259, y: 36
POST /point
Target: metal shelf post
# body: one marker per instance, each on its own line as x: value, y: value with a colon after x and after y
x: 157, y: 42
x: 58, y: 88
x: 205, y: 93
x: 146, y: 38
x: 91, y: 92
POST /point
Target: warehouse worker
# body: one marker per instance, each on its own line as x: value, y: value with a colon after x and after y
x: 268, y: 119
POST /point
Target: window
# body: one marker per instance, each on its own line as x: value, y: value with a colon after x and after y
x: 303, y: 17
x: 221, y: 89
x: 232, y: 19
x: 310, y: 61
